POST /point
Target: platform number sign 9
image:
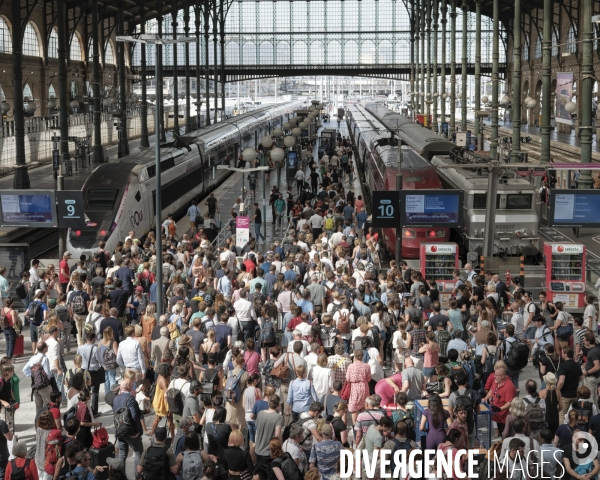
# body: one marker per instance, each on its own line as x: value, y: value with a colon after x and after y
x: 70, y: 209
x: 386, y: 209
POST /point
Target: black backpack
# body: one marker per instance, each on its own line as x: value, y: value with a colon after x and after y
x: 584, y: 414
x: 21, y: 292
x: 208, y: 386
x: 32, y: 288
x: 123, y: 422
x: 490, y: 361
x: 468, y: 401
x: 154, y: 466
x: 18, y: 473
x: 289, y: 467
x: 518, y: 356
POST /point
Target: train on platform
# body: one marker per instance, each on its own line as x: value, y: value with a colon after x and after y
x: 121, y: 197
x: 516, y: 217
x: 377, y: 155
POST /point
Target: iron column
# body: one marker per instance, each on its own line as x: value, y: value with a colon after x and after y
x: 495, y: 75
x: 546, y: 79
x: 463, y: 93
x: 423, y: 80
x: 587, y: 83
x: 452, y: 129
x: 21, y: 177
x: 417, y: 104
x: 515, y: 113
x: 215, y: 57
x: 206, y: 64
x: 198, y: 89
x: 98, y: 153
x: 444, y: 59
x: 158, y: 191
x: 222, y: 45
x: 175, y: 68
x: 490, y: 217
x: 435, y: 65
x: 412, y: 60
x: 123, y: 142
x: 477, y: 99
x: 144, y: 141
x: 428, y: 65
x: 186, y: 26
x: 158, y: 67
x: 62, y: 83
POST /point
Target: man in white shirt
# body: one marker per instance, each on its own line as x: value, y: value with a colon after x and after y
x: 590, y: 315
x: 515, y: 466
x: 297, y: 334
x: 517, y: 320
x: 299, y: 180
x: 130, y: 354
x: 336, y: 238
x: 301, y: 243
x: 41, y: 396
x: 33, y: 271
x: 53, y: 355
x: 228, y: 255
x: 244, y: 309
x: 543, y: 334
x: 316, y: 223
x: 470, y: 273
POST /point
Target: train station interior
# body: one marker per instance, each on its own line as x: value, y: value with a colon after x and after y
x: 496, y: 103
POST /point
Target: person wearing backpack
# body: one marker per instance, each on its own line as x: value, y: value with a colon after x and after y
x: 235, y: 385
x: 21, y: 467
x: 467, y: 398
x: 38, y: 369
x: 128, y: 427
x: 516, y: 359
x: 78, y: 302
x: 36, y: 314
x: 591, y: 371
x: 158, y: 461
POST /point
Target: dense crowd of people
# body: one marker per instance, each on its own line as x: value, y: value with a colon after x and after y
x: 267, y: 362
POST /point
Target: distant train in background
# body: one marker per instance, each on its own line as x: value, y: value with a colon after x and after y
x: 377, y: 154
x: 516, y: 219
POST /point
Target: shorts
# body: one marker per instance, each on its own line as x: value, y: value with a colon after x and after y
x: 270, y: 344
x: 33, y: 331
x: 382, y: 335
x: 428, y: 371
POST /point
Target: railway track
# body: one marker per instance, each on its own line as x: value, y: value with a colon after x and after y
x: 43, y: 242
x: 559, y: 151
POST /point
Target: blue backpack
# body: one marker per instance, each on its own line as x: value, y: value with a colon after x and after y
x: 233, y: 393
x: 267, y: 332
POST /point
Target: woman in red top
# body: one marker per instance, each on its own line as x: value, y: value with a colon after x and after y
x: 19, y: 450
x: 501, y: 391
x: 296, y: 319
x: 10, y: 315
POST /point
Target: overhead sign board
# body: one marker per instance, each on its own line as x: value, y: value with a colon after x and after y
x: 70, y: 209
x: 575, y: 208
x: 567, y: 248
x: 386, y: 209
x: 431, y: 208
x: 28, y: 208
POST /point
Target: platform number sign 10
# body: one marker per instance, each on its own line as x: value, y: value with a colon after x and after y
x: 386, y: 209
x: 70, y: 209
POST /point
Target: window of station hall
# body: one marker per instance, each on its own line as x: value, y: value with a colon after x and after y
x: 31, y: 44
x: 571, y: 46
x: 5, y: 41
x: 75, y: 52
x: 53, y: 44
x: 109, y: 56
x: 526, y: 49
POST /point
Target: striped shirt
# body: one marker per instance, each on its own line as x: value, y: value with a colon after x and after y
x: 419, y: 338
x: 338, y: 365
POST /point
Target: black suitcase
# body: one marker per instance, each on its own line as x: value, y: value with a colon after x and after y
x: 99, y: 456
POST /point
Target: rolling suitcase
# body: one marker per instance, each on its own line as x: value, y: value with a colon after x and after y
x: 99, y: 456
x: 19, y: 346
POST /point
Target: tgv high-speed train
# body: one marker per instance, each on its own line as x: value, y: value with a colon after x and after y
x: 377, y: 153
x: 120, y: 197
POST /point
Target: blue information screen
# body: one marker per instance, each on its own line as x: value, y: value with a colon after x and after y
x: 291, y: 156
x: 431, y: 208
x: 575, y: 208
x: 27, y: 208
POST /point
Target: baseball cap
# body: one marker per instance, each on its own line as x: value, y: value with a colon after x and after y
x: 116, y: 464
x: 67, y: 254
x: 326, y: 429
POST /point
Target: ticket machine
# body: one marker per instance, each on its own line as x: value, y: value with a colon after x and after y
x: 438, y: 261
x: 565, y: 273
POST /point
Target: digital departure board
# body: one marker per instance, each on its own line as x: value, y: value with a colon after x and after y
x: 431, y: 208
x: 28, y: 208
x: 575, y: 208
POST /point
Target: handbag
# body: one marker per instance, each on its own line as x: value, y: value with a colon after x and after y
x: 100, y: 438
x: 282, y: 370
x: 565, y: 331
x: 345, y: 393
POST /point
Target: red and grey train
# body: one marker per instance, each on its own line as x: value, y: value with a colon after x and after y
x: 377, y: 155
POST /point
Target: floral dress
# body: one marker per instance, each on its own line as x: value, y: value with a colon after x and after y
x: 359, y: 376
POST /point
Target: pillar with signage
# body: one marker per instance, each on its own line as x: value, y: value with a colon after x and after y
x: 438, y: 261
x: 565, y: 273
x: 242, y: 231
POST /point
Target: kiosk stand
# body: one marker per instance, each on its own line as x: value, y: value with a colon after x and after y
x: 565, y: 273
x: 438, y: 261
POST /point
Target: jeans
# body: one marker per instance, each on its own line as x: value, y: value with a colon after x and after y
x: 60, y: 382
x: 65, y: 335
x: 347, y: 343
x: 251, y: 430
x: 11, y: 338
x: 257, y: 232
x: 530, y: 333
x: 136, y: 444
x: 592, y: 383
x: 110, y: 380
x: 280, y: 218
x: 295, y: 416
x: 514, y: 376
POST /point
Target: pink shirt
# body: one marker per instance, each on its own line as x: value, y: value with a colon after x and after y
x: 385, y: 390
x: 252, y: 359
x: 431, y: 358
x: 359, y: 205
x: 63, y: 265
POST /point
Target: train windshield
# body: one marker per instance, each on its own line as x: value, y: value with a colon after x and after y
x: 480, y: 201
x: 518, y: 201
x: 101, y: 199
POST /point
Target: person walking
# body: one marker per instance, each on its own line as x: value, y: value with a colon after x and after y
x: 129, y: 437
x: 11, y: 318
x: 257, y: 219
